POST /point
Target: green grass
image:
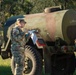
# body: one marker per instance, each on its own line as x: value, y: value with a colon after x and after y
x: 75, y: 73
x: 5, y: 68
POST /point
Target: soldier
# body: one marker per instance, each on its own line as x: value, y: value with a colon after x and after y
x: 17, y: 47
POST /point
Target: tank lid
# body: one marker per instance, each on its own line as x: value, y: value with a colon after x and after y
x: 52, y: 9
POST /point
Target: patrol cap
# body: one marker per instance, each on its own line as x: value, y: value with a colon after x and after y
x: 21, y: 20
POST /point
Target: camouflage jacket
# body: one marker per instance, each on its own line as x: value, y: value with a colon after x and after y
x: 18, y: 36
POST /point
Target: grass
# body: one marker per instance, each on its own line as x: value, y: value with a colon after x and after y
x: 74, y: 73
x: 5, y: 68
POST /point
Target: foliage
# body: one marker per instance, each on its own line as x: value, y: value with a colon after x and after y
x: 20, y: 7
x: 40, y: 5
x: 13, y: 7
x: 66, y: 3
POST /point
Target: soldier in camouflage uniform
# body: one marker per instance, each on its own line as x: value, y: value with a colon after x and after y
x: 17, y: 47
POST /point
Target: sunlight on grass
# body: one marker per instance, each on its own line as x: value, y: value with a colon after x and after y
x: 5, y: 68
x: 5, y: 62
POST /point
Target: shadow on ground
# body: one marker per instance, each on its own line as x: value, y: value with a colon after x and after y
x: 5, y: 70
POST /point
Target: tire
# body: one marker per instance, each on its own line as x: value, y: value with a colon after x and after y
x: 33, y: 61
x: 63, y: 64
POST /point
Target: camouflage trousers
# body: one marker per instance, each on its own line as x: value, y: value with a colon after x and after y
x: 19, y: 59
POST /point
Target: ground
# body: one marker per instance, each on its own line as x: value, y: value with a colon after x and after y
x: 5, y: 68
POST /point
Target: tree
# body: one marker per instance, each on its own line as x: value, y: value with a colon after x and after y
x: 14, y: 7
x: 66, y: 3
x: 40, y: 5
x: 21, y: 7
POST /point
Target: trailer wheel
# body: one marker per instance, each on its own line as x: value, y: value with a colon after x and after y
x: 63, y: 64
x: 33, y: 62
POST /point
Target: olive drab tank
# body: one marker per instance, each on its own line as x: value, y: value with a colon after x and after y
x: 60, y: 24
x: 44, y: 45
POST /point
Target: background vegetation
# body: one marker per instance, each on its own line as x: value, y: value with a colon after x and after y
x: 9, y: 8
x: 19, y: 7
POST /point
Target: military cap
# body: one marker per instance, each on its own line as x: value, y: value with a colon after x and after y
x: 21, y: 20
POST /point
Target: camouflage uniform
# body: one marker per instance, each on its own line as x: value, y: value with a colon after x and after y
x: 17, y: 49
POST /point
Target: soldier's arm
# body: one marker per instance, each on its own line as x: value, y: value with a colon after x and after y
x: 17, y: 36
